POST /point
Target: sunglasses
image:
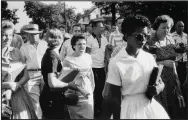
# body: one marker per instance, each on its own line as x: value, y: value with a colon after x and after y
x: 141, y: 36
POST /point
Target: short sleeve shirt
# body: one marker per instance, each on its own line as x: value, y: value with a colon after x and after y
x: 132, y: 74
x: 97, y: 53
x: 50, y: 64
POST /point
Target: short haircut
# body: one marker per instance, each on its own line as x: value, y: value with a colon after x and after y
x: 55, y: 36
x: 132, y: 22
x: 76, y: 25
x: 75, y: 39
x: 162, y: 19
x: 7, y: 24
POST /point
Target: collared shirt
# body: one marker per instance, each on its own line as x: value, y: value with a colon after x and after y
x: 132, y: 74
x: 97, y: 50
x: 116, y: 39
x: 66, y: 49
x: 32, y: 56
x: 181, y: 39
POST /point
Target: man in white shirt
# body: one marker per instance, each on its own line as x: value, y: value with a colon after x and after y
x: 66, y: 48
x: 32, y: 53
x: 96, y: 44
x: 181, y: 42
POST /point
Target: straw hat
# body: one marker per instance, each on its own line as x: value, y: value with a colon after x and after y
x: 32, y: 29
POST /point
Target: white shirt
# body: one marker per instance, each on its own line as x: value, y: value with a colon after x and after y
x: 97, y: 53
x: 181, y: 39
x: 66, y: 49
x: 132, y: 74
x: 32, y: 56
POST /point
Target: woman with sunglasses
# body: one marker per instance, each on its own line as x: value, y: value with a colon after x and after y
x: 165, y: 52
x: 128, y: 76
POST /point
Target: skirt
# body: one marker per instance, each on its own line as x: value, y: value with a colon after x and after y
x: 138, y: 106
x: 22, y: 106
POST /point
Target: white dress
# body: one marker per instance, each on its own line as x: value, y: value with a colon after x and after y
x: 132, y: 74
x: 85, y: 79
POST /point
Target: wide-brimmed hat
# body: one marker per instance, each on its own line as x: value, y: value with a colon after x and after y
x: 32, y: 29
x: 24, y: 27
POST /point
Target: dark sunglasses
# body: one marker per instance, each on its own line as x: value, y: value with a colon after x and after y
x: 141, y: 36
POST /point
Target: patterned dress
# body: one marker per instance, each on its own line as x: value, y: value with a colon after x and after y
x: 166, y: 52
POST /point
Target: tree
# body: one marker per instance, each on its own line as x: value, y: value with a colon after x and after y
x: 7, y: 13
x: 78, y: 17
x: 48, y: 16
x: 107, y: 8
x: 178, y: 10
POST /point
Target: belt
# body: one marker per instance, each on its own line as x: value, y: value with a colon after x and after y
x: 34, y: 69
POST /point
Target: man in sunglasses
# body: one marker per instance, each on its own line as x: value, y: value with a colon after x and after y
x: 128, y: 76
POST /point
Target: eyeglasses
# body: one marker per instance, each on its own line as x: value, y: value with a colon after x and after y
x: 141, y: 36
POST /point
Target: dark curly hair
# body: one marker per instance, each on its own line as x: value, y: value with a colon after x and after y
x: 131, y: 22
x: 75, y: 39
x: 162, y: 19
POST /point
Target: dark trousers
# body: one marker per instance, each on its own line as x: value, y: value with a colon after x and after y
x: 181, y: 70
x: 99, y: 76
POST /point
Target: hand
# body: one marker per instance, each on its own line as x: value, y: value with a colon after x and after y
x: 6, y: 95
x: 14, y: 86
x: 72, y: 85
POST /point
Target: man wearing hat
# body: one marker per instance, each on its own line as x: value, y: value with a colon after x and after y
x: 32, y: 53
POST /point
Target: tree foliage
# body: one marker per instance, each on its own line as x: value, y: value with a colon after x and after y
x: 178, y: 10
x: 48, y: 16
x: 7, y: 13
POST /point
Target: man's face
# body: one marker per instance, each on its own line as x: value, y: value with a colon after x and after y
x: 180, y: 27
x: 76, y: 30
x: 99, y: 28
x: 138, y: 39
x: 113, y: 28
x: 62, y: 30
x: 33, y: 37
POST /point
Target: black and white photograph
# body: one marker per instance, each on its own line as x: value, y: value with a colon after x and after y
x: 94, y: 59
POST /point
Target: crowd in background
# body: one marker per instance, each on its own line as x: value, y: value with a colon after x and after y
x: 114, y: 64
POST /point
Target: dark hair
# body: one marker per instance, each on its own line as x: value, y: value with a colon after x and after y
x: 131, y: 22
x: 75, y: 39
x: 76, y: 25
x: 162, y: 19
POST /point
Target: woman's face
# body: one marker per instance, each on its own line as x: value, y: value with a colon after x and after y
x: 164, y: 29
x: 7, y: 36
x: 80, y: 46
x: 138, y: 39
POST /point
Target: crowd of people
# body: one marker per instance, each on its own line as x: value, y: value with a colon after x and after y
x: 113, y: 70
